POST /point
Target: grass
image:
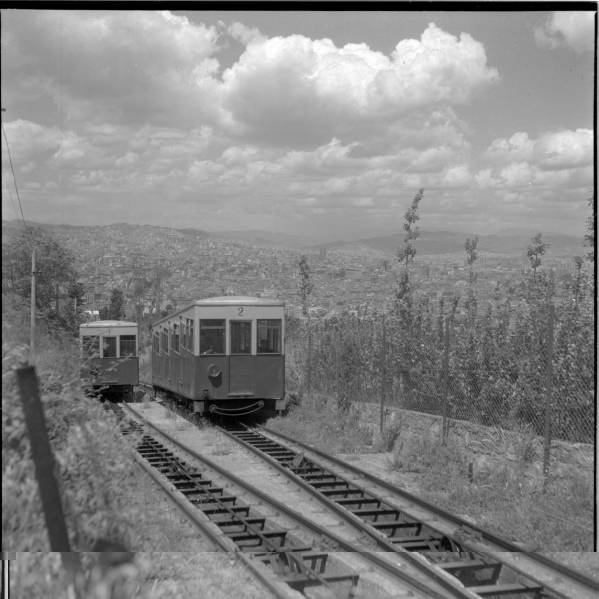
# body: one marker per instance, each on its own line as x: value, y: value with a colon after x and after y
x: 153, y: 575
x: 318, y: 422
x: 500, y: 487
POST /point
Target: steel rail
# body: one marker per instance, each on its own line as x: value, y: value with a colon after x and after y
x: 249, y: 526
x: 446, y: 581
x: 494, y: 538
x: 348, y: 516
x: 149, y: 444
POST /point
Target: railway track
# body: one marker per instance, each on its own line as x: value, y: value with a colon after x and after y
x: 401, y: 522
x: 269, y: 551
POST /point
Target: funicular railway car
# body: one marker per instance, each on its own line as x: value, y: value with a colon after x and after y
x: 222, y: 355
x: 109, y: 358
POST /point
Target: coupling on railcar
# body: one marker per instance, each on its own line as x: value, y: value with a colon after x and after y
x: 109, y: 358
x: 222, y: 355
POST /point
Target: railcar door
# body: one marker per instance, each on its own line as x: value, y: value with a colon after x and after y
x: 240, y: 360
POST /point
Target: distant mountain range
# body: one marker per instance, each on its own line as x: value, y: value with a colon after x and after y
x: 509, y: 242
x: 445, y: 242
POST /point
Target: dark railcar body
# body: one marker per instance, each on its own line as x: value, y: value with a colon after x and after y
x: 223, y: 353
x: 109, y: 358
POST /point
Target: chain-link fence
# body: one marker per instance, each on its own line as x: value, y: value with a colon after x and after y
x: 510, y: 364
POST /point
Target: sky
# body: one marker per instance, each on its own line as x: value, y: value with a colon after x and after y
x: 323, y: 124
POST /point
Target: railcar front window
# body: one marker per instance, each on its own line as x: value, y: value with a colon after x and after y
x: 156, y: 343
x: 212, y: 336
x: 241, y: 337
x: 269, y: 336
x: 91, y: 346
x: 109, y: 347
x: 128, y: 346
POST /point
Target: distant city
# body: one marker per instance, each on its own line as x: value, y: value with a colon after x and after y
x: 159, y: 268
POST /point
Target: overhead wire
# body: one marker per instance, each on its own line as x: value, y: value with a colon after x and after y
x: 13, y: 174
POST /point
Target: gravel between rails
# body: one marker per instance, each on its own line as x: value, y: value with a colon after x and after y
x: 231, y: 456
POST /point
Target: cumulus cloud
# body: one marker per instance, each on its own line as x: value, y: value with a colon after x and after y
x: 575, y: 30
x: 297, y: 88
x: 552, y: 150
x: 132, y: 63
x: 557, y: 162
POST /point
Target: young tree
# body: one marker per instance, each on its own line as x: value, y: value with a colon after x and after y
x: 471, y: 256
x: 115, y: 309
x: 590, y: 234
x: 535, y: 250
x: 54, y: 266
x: 306, y: 284
x: 406, y: 254
x: 306, y: 288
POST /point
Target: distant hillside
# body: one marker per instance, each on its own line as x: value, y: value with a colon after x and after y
x: 510, y: 243
x: 445, y: 242
x: 265, y: 238
x: 125, y: 228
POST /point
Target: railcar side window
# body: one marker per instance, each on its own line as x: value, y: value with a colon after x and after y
x: 190, y: 340
x: 164, y: 341
x: 156, y: 343
x: 269, y: 336
x: 212, y: 336
x: 241, y: 337
x: 91, y: 346
x: 189, y: 334
x: 176, y: 338
x: 128, y: 346
x: 109, y: 347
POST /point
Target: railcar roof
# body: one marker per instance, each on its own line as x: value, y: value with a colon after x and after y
x: 226, y: 300
x: 108, y: 323
x: 239, y: 300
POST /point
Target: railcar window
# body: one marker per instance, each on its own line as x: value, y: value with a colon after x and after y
x: 190, y: 339
x: 176, y: 338
x: 128, y: 346
x: 91, y: 346
x: 156, y: 343
x: 241, y: 337
x: 269, y: 336
x: 165, y: 341
x: 212, y: 336
x: 109, y: 347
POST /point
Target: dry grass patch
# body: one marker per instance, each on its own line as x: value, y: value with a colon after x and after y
x: 148, y: 576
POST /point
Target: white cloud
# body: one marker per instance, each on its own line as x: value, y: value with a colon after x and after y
x: 575, y: 30
x: 302, y: 89
x: 552, y: 150
x: 565, y: 149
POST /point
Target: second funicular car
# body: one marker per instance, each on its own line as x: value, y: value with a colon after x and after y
x: 222, y: 355
x: 110, y: 364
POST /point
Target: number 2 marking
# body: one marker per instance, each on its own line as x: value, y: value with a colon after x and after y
x: 240, y: 310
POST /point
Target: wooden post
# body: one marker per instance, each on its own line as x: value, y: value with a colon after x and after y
x: 445, y: 382
x: 383, y: 371
x: 548, y: 395
x: 32, y: 326
x: 43, y: 461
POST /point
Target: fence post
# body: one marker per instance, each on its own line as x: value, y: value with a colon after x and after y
x: 383, y: 371
x: 445, y: 425
x: 548, y: 395
x: 43, y: 460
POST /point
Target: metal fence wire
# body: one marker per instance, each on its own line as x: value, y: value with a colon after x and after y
x: 510, y: 365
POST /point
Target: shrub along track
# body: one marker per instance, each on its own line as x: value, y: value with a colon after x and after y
x: 233, y: 526
x: 399, y: 521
